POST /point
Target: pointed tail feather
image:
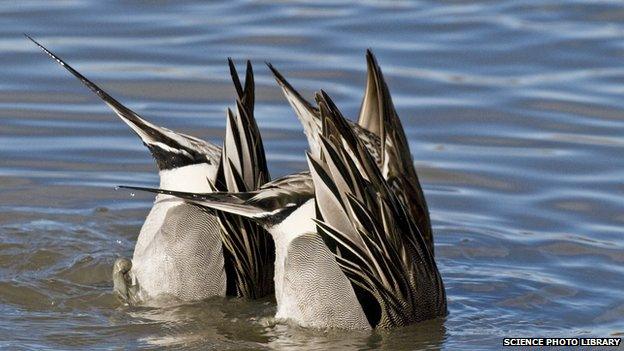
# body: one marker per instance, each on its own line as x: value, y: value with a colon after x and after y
x: 227, y: 202
x: 170, y: 149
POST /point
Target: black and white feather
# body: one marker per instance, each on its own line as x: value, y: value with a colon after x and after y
x: 376, y: 242
x: 378, y: 115
x: 380, y: 131
x: 248, y: 249
x: 170, y: 149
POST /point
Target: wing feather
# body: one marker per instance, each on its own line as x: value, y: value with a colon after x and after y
x: 249, y: 249
x: 379, y: 116
x: 383, y: 252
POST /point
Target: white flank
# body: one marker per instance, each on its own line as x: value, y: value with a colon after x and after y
x: 310, y: 288
x: 192, y: 179
x: 298, y: 223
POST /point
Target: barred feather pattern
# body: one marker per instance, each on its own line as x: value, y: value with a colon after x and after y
x: 248, y: 249
x: 383, y: 252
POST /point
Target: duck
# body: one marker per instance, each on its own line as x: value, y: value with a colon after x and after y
x: 185, y: 252
x: 349, y: 254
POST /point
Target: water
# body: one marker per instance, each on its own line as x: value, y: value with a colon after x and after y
x: 513, y: 110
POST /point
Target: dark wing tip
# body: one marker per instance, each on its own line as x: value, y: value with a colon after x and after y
x: 371, y: 60
x: 325, y: 98
x: 281, y: 80
x: 232, y: 66
x: 235, y: 79
x: 369, y: 53
x: 277, y: 75
x: 248, y: 91
x: 229, y: 113
x: 324, y: 94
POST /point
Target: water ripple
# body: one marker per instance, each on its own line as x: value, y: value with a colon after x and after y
x: 512, y: 109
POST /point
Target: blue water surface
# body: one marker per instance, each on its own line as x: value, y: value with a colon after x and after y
x: 513, y: 111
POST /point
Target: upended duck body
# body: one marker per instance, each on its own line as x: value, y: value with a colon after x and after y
x: 183, y: 251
